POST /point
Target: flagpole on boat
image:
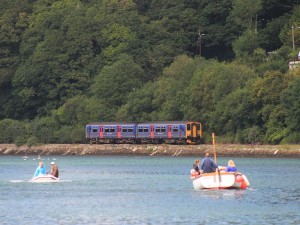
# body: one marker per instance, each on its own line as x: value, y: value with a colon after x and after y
x: 214, y: 145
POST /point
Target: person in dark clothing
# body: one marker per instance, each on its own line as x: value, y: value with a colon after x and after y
x: 208, y: 165
x: 196, y: 166
x: 54, y: 170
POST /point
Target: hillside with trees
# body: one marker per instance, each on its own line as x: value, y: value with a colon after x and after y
x: 65, y: 63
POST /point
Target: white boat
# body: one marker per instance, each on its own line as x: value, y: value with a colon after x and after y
x: 44, y: 179
x: 220, y: 180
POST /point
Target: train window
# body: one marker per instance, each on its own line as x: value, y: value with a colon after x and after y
x: 112, y: 130
x: 175, y: 129
x: 198, y: 126
x: 146, y: 130
x: 124, y: 129
x: 163, y: 129
x: 188, y: 127
x: 130, y: 129
x: 106, y: 130
x: 140, y: 129
x: 157, y: 129
x: 95, y: 130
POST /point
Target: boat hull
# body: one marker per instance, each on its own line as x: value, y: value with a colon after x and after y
x: 44, y: 179
x: 220, y: 180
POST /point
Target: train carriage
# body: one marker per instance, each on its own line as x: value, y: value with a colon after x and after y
x: 109, y: 132
x: 172, y: 132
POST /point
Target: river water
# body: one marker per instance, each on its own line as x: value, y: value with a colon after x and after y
x: 145, y: 190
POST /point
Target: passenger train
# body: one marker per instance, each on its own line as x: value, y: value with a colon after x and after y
x: 171, y: 132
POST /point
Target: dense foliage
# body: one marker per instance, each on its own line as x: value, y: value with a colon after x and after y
x: 65, y: 63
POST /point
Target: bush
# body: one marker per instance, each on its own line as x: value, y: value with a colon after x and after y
x: 31, y: 141
x: 43, y: 130
x: 293, y: 138
x: 250, y: 135
x: 71, y: 134
x: 12, y: 131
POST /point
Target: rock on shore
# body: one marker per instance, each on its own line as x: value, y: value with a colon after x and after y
x: 154, y: 150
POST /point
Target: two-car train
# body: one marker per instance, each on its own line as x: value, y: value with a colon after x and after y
x: 171, y: 132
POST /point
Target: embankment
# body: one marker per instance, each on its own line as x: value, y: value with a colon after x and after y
x: 154, y: 150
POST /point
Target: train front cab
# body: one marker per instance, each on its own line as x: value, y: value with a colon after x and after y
x: 193, y: 132
x: 92, y: 133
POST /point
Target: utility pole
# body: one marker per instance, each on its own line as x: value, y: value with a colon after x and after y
x: 199, y: 43
x: 293, y: 37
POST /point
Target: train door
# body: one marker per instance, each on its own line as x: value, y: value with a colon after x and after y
x: 169, y: 131
x: 151, y: 131
x: 101, y: 132
x: 118, y: 131
x: 194, y: 131
x: 181, y: 131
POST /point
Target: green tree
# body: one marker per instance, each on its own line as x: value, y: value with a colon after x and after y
x: 138, y: 106
x: 235, y: 112
x: 245, y: 45
x: 266, y: 94
x: 169, y: 97
x: 43, y: 130
x: 245, y: 13
x: 13, y: 131
x: 290, y: 100
x: 57, y: 51
x: 210, y: 85
x: 79, y: 110
x: 116, y: 81
x: 269, y: 36
x: 13, y: 22
x: 286, y: 34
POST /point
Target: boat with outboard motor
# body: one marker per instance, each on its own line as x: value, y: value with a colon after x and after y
x: 44, y: 179
x: 219, y: 179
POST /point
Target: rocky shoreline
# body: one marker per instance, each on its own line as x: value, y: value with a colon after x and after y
x: 229, y: 150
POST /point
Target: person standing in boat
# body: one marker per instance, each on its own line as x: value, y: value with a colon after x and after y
x: 54, y: 170
x: 196, y: 166
x: 40, y: 170
x: 230, y: 167
x: 208, y: 165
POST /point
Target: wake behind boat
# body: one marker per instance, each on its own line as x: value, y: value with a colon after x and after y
x: 44, y: 179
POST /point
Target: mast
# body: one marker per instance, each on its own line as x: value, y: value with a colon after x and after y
x: 214, y: 145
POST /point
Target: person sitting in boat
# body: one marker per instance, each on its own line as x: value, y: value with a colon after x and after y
x: 40, y: 170
x: 230, y: 167
x: 196, y: 166
x: 208, y: 165
x: 54, y: 169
